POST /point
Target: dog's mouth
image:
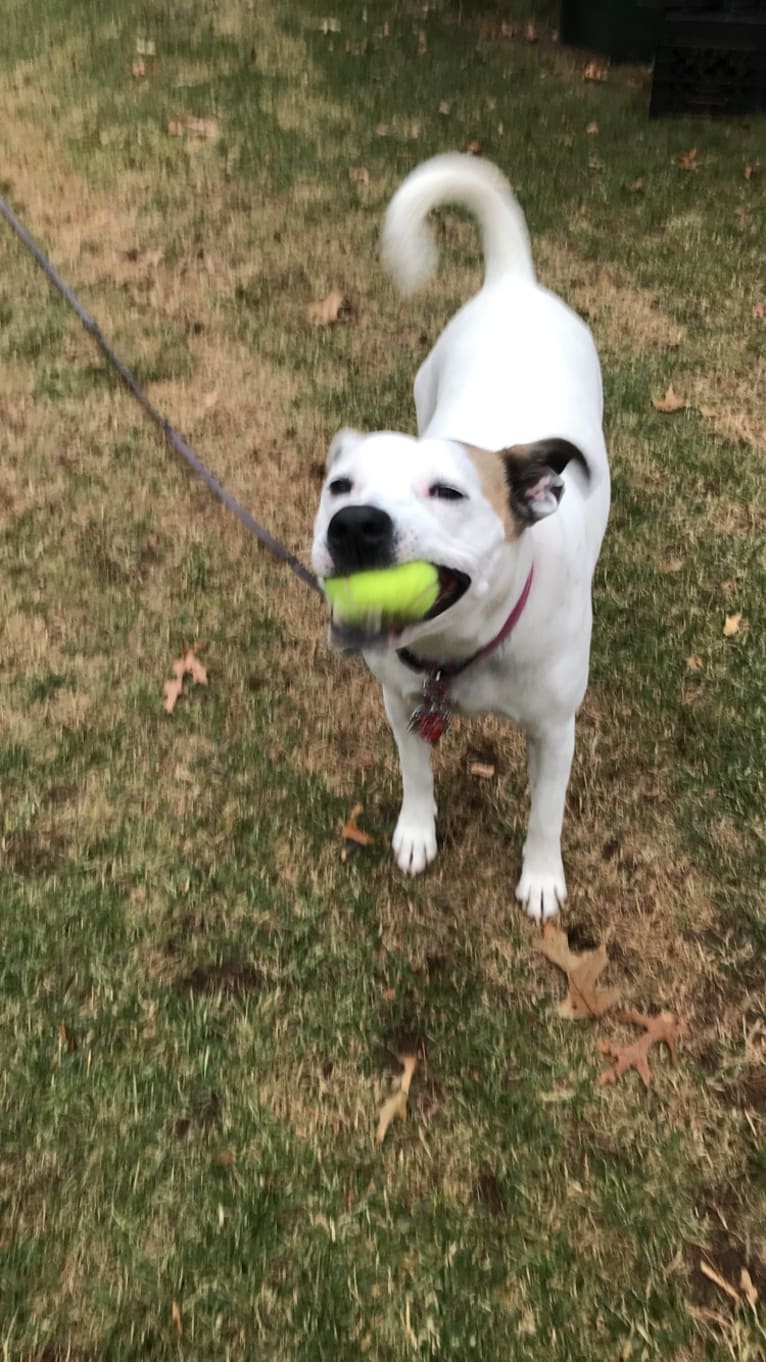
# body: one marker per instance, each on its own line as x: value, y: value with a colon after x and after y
x: 385, y: 631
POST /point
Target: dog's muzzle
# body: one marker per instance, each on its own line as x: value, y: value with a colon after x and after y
x: 360, y: 537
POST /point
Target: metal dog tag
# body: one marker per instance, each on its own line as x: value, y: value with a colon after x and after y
x: 431, y: 719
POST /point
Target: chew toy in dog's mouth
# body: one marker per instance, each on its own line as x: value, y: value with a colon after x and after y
x: 383, y: 629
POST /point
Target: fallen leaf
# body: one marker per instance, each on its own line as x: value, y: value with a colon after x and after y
x: 637, y: 186
x: 665, y: 1028
x: 694, y: 664
x: 327, y: 310
x: 175, y: 127
x: 473, y: 148
x: 582, y: 969
x: 138, y: 70
x: 175, y: 1315
x: 595, y: 70
x: 66, y: 1040
x: 592, y: 128
x: 687, y: 160
x: 759, y: 311
x: 731, y: 624
x: 422, y: 43
x: 713, y: 1276
x: 225, y: 1159
x: 188, y: 665
x: 530, y: 32
x: 396, y: 1104
x: 351, y: 832
x: 672, y: 565
x: 444, y: 108
x: 359, y: 175
x: 172, y: 690
x: 382, y: 130
x: 751, y: 170
x: 748, y: 1288
x: 670, y: 402
x: 482, y: 770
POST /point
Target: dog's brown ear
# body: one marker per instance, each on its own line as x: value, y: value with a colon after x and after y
x: 533, y: 477
x: 342, y: 443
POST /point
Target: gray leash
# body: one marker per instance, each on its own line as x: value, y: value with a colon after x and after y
x: 173, y: 438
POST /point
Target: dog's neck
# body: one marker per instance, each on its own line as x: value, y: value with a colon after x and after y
x: 460, y: 641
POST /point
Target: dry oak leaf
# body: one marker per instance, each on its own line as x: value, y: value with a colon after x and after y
x: 731, y: 624
x: 396, y: 1104
x: 351, y: 832
x: 188, y: 664
x: 687, y: 160
x: 670, y: 402
x: 582, y: 969
x: 175, y: 1315
x: 665, y: 1028
x: 327, y: 310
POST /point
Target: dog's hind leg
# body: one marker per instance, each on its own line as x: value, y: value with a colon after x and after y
x: 542, y: 887
x: 414, y: 838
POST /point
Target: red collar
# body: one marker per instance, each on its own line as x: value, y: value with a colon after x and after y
x: 450, y: 669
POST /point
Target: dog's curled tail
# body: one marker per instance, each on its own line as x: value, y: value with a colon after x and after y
x: 409, y: 250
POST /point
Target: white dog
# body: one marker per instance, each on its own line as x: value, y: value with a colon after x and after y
x: 506, y: 492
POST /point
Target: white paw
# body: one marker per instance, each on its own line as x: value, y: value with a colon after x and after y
x: 414, y: 844
x: 542, y: 887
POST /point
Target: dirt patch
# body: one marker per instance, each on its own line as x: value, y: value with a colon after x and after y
x: 228, y: 977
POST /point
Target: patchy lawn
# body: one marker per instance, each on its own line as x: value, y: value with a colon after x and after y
x: 202, y: 1004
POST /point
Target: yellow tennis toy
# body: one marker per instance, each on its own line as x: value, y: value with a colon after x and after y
x: 397, y: 594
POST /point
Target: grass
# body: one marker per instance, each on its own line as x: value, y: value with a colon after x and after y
x: 201, y: 1003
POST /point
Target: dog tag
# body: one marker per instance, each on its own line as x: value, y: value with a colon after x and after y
x: 431, y: 719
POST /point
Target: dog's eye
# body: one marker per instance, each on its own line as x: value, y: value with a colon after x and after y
x: 339, y: 486
x: 445, y: 493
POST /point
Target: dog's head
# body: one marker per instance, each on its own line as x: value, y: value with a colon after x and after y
x: 390, y: 499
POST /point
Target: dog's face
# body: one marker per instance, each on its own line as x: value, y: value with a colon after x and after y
x: 391, y: 499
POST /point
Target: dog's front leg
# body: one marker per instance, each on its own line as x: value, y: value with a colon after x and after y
x: 415, y: 834
x: 542, y: 886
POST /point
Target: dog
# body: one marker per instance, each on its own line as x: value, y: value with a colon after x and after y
x: 506, y: 492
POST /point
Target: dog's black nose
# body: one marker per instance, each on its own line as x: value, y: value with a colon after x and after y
x: 360, y: 537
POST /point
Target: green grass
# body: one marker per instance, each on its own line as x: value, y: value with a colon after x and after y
x: 201, y: 1004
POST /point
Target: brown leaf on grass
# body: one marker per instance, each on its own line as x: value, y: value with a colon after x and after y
x: 172, y: 690
x: 670, y: 402
x: 637, y: 186
x: 473, y: 148
x: 748, y: 1288
x: 731, y: 624
x: 444, y: 108
x: 359, y: 175
x: 396, y: 1104
x: 663, y: 1029
x: 582, y: 969
x: 482, y: 770
x: 759, y: 311
x: 591, y: 128
x: 351, y: 832
x: 687, y: 160
x: 327, y: 311
x: 138, y: 70
x: 67, y: 1040
x: 752, y: 169
x: 595, y: 70
x: 175, y: 1315
x: 672, y: 565
x: 709, y: 1271
x: 188, y: 665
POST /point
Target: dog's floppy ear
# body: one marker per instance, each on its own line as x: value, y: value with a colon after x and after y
x: 533, y: 475
x: 342, y: 443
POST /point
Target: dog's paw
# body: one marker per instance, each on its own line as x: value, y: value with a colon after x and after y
x: 414, y: 844
x: 542, y: 888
